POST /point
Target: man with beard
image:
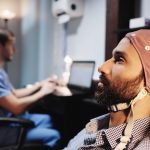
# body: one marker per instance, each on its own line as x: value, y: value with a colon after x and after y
x: 14, y: 102
x: 124, y: 87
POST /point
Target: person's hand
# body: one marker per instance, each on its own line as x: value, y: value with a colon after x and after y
x: 44, y: 81
x: 53, y: 79
x: 62, y: 91
x: 47, y: 88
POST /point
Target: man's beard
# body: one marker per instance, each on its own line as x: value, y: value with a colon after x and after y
x: 118, y: 91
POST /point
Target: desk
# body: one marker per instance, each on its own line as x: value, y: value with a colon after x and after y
x: 70, y: 113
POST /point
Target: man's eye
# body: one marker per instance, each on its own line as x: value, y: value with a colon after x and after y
x: 119, y: 59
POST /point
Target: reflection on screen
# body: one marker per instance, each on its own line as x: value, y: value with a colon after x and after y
x: 81, y: 74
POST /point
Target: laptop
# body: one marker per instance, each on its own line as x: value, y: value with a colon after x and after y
x: 81, y: 75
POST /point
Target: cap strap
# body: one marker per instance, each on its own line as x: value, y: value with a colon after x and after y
x: 118, y: 107
x: 126, y: 138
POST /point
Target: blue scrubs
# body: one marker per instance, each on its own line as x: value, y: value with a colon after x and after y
x: 43, y: 130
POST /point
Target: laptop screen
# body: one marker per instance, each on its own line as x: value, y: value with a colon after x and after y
x: 81, y: 74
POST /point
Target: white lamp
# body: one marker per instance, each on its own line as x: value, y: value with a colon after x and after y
x: 7, y: 15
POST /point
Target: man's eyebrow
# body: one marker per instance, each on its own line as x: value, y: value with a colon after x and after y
x: 114, y: 53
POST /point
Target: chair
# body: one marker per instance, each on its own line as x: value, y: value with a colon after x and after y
x: 12, y: 135
x: 12, y: 132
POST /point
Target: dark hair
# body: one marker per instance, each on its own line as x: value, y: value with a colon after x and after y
x: 5, y: 36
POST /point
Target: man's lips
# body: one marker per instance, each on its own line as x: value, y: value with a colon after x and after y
x: 100, y: 84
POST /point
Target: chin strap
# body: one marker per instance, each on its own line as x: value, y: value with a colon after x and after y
x: 127, y: 135
x: 118, y: 107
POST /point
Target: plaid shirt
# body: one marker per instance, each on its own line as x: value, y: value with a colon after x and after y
x: 97, y: 135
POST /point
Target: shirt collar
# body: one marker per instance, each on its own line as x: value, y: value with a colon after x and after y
x: 113, y: 134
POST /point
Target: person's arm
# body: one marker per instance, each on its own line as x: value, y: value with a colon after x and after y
x: 26, y: 91
x: 32, y: 88
x: 19, y: 105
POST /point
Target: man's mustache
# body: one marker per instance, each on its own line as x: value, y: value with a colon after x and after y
x: 104, y: 80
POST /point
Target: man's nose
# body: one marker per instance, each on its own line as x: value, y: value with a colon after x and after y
x: 106, y: 67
